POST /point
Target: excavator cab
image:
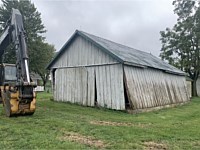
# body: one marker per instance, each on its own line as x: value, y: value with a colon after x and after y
x: 7, y: 74
x: 17, y: 99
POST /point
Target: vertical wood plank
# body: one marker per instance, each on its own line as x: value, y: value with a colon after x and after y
x: 121, y: 87
x: 130, y: 87
x: 108, y: 85
x: 116, y: 86
x: 99, y: 103
x: 91, y: 86
x: 82, y: 52
x: 105, y: 86
x: 113, y: 96
x: 84, y: 86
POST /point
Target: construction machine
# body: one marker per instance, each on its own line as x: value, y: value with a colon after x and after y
x: 16, y: 87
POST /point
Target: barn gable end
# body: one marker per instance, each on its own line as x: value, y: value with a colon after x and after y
x: 85, y: 74
x: 82, y: 52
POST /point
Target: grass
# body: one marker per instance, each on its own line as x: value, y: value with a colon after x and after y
x: 65, y: 126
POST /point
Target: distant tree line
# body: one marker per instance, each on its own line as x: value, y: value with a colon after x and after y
x: 181, y: 44
x: 40, y: 52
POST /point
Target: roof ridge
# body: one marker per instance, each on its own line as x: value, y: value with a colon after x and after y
x: 114, y: 42
x: 122, y: 53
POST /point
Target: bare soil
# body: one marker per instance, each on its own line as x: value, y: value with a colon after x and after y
x: 151, y: 145
x: 109, y: 123
x: 87, y: 140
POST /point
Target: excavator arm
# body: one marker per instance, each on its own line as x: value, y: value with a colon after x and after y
x: 15, y: 33
x: 17, y: 90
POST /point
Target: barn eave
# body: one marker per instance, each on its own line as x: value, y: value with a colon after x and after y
x: 128, y: 56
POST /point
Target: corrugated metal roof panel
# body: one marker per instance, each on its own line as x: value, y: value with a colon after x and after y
x: 122, y: 53
x: 134, y: 56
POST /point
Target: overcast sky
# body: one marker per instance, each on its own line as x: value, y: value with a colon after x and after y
x: 135, y: 23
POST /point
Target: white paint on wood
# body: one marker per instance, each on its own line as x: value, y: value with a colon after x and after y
x: 110, y: 89
x: 198, y: 86
x: 112, y: 83
x: 71, y: 85
x: 39, y: 88
x: 91, y: 86
x: 189, y: 88
x: 150, y: 88
x: 82, y: 52
x: 146, y: 87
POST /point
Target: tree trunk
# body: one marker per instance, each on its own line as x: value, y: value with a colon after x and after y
x: 44, y: 84
x: 194, y: 87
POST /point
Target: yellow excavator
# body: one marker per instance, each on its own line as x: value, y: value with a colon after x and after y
x: 16, y: 87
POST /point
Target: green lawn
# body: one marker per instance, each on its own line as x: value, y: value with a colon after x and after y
x: 66, y: 126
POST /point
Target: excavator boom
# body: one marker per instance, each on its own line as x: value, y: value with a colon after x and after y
x: 16, y: 89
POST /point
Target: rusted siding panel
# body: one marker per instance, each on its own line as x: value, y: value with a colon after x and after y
x: 151, y: 88
x: 82, y: 53
x: 110, y: 90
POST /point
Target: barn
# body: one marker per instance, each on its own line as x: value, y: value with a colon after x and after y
x: 93, y: 71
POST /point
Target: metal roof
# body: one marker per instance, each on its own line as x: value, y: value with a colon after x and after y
x: 35, y: 76
x: 123, y: 54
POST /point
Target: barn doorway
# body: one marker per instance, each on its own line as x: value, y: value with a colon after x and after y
x: 128, y: 103
x: 95, y: 91
x: 53, y: 78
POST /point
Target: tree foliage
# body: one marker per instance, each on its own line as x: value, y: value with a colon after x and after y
x: 39, y: 61
x: 181, y: 44
x: 40, y: 53
x: 32, y: 18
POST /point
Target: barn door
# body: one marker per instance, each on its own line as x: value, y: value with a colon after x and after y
x: 109, y: 85
x: 70, y: 85
x: 85, y: 85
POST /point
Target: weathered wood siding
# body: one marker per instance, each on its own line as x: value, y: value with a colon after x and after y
x: 151, y: 88
x: 87, y: 75
x: 72, y: 85
x: 109, y: 84
x: 77, y: 85
x: 198, y: 86
x: 82, y: 53
x: 189, y: 88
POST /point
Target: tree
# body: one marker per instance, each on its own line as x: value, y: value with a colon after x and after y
x: 32, y: 18
x: 40, y: 53
x: 39, y: 61
x: 181, y: 44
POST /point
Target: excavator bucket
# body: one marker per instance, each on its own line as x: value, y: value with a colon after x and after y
x: 13, y: 106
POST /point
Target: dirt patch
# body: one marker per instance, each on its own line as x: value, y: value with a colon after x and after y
x: 108, y: 123
x: 87, y: 140
x: 196, y: 143
x: 151, y: 145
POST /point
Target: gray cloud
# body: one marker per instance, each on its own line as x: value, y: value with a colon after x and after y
x: 135, y: 23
